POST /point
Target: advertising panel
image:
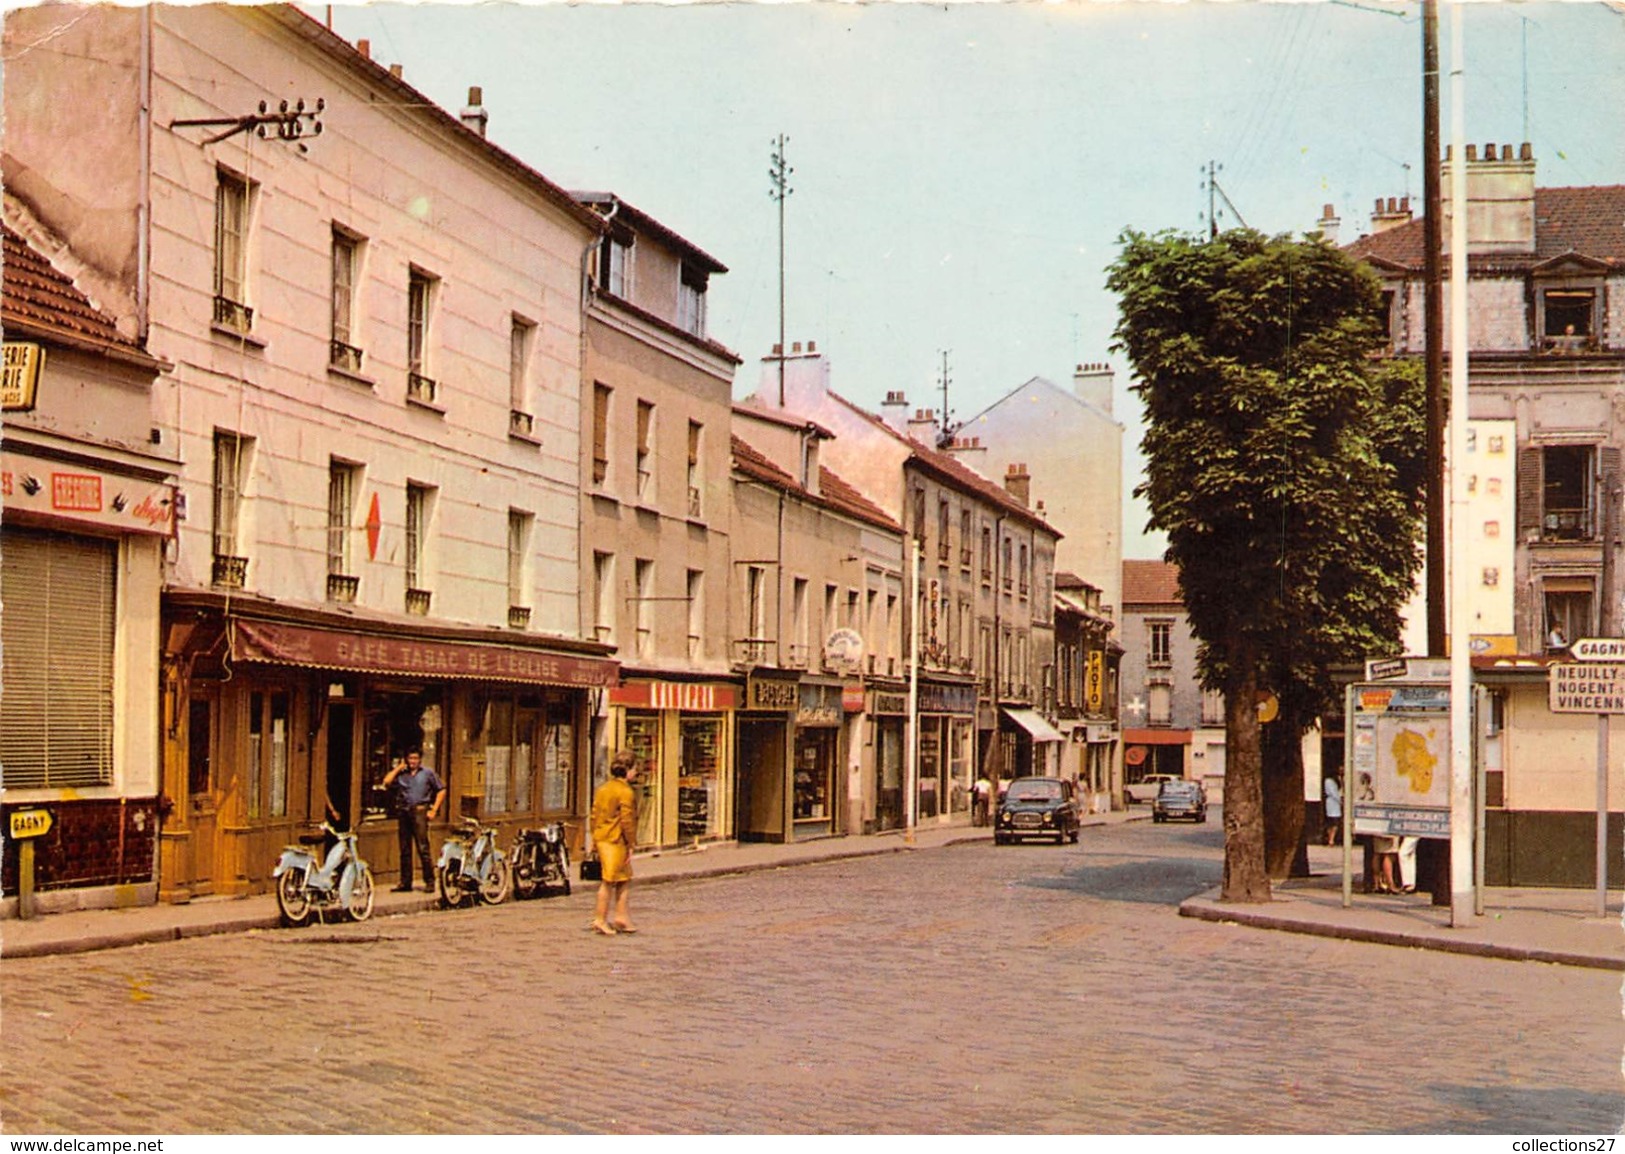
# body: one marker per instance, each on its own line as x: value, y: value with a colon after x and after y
x: 1399, y: 751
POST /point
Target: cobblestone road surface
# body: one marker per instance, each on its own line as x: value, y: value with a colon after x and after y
x: 968, y: 989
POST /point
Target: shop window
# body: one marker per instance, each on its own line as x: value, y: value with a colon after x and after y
x: 398, y: 721
x: 268, y: 754
x: 815, y: 765
x: 56, y: 642
x: 513, y: 732
x: 699, y: 779
x: 643, y: 740
x: 558, y: 761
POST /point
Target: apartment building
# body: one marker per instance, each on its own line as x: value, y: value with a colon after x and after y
x: 656, y: 513
x: 374, y: 319
x: 1546, y: 380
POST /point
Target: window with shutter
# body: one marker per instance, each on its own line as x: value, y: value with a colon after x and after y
x: 56, y: 704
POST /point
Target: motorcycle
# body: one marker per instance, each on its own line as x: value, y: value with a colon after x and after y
x: 340, y: 881
x: 471, y: 864
x: 540, y: 860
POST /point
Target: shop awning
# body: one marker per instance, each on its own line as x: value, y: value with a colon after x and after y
x: 1156, y: 736
x: 1034, y: 724
x: 415, y: 656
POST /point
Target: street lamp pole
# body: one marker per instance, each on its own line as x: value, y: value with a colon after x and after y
x: 911, y: 755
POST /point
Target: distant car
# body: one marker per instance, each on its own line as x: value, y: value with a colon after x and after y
x: 1146, y: 788
x: 1037, y: 807
x: 1180, y: 799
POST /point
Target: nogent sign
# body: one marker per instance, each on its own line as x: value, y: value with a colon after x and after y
x: 1594, y: 688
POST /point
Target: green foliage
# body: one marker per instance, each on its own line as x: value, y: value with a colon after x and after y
x: 1284, y: 457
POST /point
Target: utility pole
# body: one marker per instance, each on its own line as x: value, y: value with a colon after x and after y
x: 1433, y: 328
x: 779, y: 174
x: 1212, y: 187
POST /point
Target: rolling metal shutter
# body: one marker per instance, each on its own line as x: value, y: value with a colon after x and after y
x: 56, y: 708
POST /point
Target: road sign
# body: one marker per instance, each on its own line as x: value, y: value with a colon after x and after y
x: 1598, y: 687
x: 30, y: 823
x: 1599, y: 649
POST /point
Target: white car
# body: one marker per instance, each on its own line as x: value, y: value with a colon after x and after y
x: 1145, y: 790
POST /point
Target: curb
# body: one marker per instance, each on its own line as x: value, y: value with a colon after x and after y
x: 1205, y: 912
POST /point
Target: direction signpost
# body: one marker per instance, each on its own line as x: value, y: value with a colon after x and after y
x: 1593, y: 683
x: 26, y: 825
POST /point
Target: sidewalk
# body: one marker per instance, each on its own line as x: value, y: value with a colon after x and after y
x: 1539, y: 925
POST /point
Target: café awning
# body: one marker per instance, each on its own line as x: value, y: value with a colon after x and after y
x: 1035, y: 725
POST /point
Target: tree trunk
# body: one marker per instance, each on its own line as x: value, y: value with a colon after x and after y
x: 1283, y: 795
x: 1245, y: 879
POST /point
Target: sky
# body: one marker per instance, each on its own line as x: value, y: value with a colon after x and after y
x: 962, y: 173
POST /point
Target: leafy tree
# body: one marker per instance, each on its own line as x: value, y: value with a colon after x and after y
x: 1280, y: 464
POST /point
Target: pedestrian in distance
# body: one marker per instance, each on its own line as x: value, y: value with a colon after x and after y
x: 1331, y: 792
x: 614, y: 837
x: 982, y: 792
x: 419, y: 794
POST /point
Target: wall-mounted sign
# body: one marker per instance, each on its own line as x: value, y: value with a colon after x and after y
x: 86, y: 495
x: 818, y: 705
x: 773, y: 693
x: 1094, y: 681
x: 23, y: 363
x: 679, y: 695
x: 844, y: 648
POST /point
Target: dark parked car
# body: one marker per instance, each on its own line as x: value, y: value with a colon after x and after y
x: 1180, y: 799
x: 1037, y: 807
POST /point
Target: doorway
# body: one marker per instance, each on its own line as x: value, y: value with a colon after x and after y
x: 760, y: 780
x: 341, y: 760
x: 201, y: 822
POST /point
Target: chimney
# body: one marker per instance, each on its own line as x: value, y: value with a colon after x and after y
x: 474, y: 117
x: 365, y: 48
x: 806, y: 377
x: 895, y: 411
x: 1328, y: 224
x: 396, y: 70
x: 923, y: 427
x: 1018, y: 484
x: 1390, y: 214
x: 1500, y: 199
x: 1093, y: 383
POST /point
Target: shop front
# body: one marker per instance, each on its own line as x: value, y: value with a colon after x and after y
x: 947, y: 767
x: 818, y: 757
x: 888, y: 726
x: 764, y: 758
x: 1149, y: 751
x: 273, y: 724
x: 682, y: 736
x: 1032, y: 743
x: 80, y: 576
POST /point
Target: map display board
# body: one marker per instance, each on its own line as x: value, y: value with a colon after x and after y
x: 1399, y: 751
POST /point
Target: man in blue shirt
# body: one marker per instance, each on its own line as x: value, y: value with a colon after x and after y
x: 419, y: 794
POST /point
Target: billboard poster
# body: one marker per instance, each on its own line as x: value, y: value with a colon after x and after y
x: 1399, y: 739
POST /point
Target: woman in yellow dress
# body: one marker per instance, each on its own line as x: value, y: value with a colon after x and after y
x: 614, y: 835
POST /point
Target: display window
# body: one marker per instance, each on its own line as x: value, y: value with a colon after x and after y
x: 959, y: 764
x: 699, y: 779
x: 815, y: 766
x: 643, y: 739
x: 930, y: 767
x: 268, y: 733
x: 558, y: 760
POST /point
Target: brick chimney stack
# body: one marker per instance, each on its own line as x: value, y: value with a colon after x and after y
x: 1391, y: 214
x: 922, y: 426
x: 475, y: 117
x: 1019, y: 484
x: 1328, y: 225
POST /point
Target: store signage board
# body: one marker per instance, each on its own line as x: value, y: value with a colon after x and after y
x: 23, y: 362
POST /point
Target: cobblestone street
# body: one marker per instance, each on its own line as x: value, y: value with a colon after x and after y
x: 968, y: 989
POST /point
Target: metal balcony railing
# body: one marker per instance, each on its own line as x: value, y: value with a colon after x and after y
x: 421, y: 389
x: 751, y: 650
x: 417, y: 602
x: 342, y: 587
x: 518, y: 616
x: 229, y: 572
x: 233, y: 315
x: 521, y: 423
x: 343, y: 356
x: 1558, y: 524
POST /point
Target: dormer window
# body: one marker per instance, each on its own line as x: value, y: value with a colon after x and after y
x: 691, y: 300
x: 1568, y: 317
x: 615, y: 265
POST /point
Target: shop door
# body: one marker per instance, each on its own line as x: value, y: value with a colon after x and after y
x: 200, y: 811
x: 760, y: 784
x: 341, y: 760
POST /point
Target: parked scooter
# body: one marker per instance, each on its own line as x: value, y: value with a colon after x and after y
x: 471, y: 864
x: 340, y: 881
x: 541, y: 860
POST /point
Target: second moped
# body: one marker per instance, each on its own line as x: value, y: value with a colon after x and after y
x: 472, y: 866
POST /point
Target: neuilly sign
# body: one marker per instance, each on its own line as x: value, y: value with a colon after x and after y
x: 1594, y: 684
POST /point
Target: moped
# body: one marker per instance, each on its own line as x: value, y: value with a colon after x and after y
x: 541, y: 860
x: 340, y: 881
x: 471, y: 864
